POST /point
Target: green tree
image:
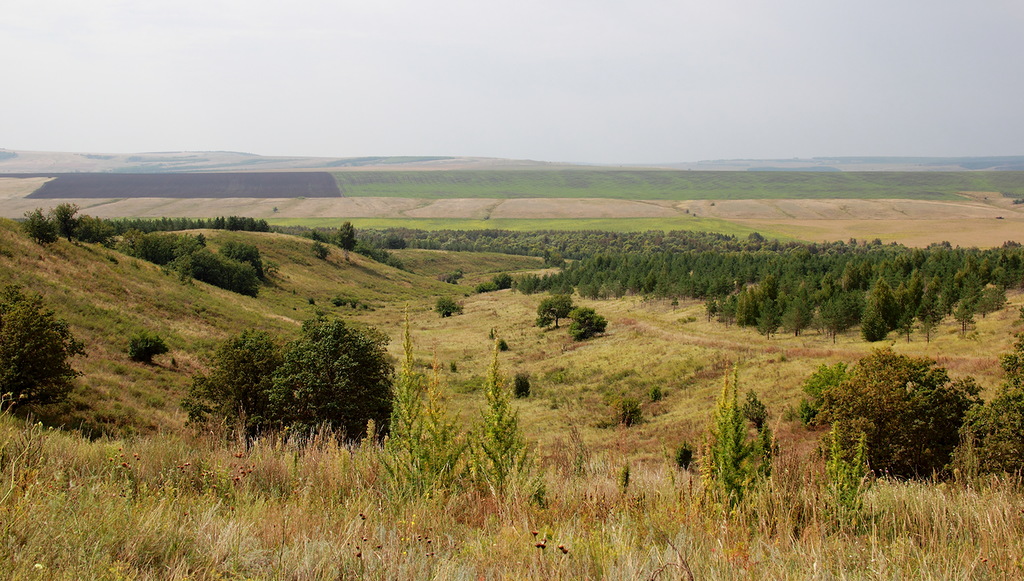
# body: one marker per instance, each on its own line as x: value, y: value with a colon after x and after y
x: 798, y: 314
x: 909, y: 408
x: 347, y: 238
x: 964, y: 314
x: 237, y: 388
x: 65, y: 220
x: 245, y: 253
x: 334, y: 376
x: 586, y: 323
x: 502, y: 455
x: 826, y: 377
x: 553, y: 308
x: 39, y: 228
x: 35, y: 350
x: 424, y: 451
x: 733, y: 461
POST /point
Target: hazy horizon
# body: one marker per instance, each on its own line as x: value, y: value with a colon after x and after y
x: 654, y: 82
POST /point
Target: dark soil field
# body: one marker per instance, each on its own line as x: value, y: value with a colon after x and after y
x: 191, y: 185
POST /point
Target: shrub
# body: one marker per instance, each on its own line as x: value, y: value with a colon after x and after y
x: 521, y: 385
x: 502, y: 345
x: 908, y: 407
x: 995, y: 431
x: 144, y: 345
x: 628, y: 411
x: 245, y: 253
x: 320, y: 250
x: 446, y: 307
x: 684, y: 455
x: 35, y: 349
x: 755, y: 411
x: 586, y: 323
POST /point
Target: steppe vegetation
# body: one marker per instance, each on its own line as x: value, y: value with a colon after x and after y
x: 669, y: 447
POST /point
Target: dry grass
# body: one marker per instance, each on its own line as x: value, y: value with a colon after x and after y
x: 198, y: 507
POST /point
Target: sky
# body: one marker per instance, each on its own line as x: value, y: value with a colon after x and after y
x: 592, y: 81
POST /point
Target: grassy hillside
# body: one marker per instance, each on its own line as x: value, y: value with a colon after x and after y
x: 673, y: 185
x: 156, y: 500
x: 107, y: 296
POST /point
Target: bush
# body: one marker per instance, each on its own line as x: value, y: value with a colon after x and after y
x: 245, y: 253
x: 521, y: 385
x: 143, y: 346
x: 755, y: 411
x: 446, y: 307
x: 35, y: 349
x: 320, y: 250
x: 502, y: 345
x: 684, y: 455
x: 995, y: 431
x: 628, y: 411
x: 909, y: 409
x: 586, y: 323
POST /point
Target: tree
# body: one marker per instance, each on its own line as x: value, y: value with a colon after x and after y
x: 65, y: 220
x: 39, y: 228
x: 246, y: 253
x: 237, y: 389
x: 909, y: 409
x: 733, y: 461
x: 586, y: 323
x: 144, y: 345
x: 424, y: 448
x: 502, y: 453
x: 964, y: 314
x: 35, y: 350
x: 347, y: 238
x: 553, y: 308
x: 334, y: 376
x: 446, y: 307
x: 798, y: 314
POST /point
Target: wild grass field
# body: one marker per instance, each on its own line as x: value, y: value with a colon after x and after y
x: 125, y: 490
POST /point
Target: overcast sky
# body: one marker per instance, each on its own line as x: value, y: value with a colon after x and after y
x: 604, y: 81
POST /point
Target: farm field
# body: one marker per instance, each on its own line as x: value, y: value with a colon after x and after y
x: 913, y: 208
x: 674, y: 185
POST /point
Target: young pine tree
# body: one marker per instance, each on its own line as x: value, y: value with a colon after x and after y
x: 502, y: 455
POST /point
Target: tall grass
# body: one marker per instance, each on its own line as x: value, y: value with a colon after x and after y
x: 202, y: 506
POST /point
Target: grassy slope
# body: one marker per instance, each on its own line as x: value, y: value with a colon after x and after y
x: 673, y: 185
x: 170, y: 505
x: 107, y: 296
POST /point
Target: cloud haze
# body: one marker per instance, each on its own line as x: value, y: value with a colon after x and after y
x: 591, y: 81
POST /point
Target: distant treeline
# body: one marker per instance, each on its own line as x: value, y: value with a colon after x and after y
x: 237, y: 223
x: 835, y: 286
x: 569, y: 244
